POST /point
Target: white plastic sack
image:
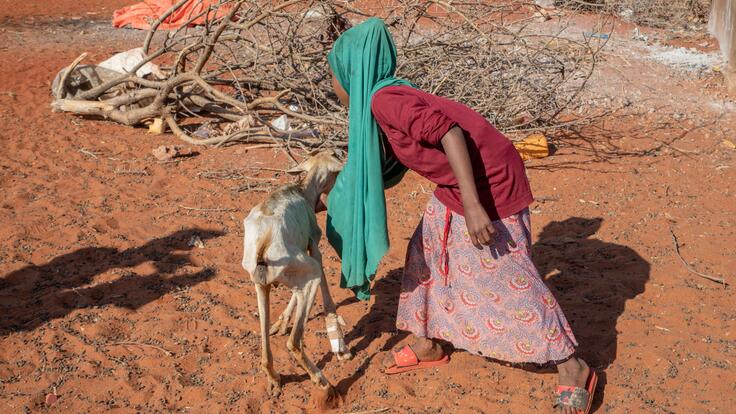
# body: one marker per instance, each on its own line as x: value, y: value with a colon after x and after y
x: 545, y: 4
x: 125, y: 61
x: 84, y: 78
x: 281, y: 123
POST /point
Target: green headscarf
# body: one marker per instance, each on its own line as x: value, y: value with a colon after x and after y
x: 363, y: 60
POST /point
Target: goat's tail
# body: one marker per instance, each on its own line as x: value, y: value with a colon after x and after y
x: 262, y: 243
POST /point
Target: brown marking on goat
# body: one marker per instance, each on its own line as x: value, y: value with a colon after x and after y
x: 263, y: 242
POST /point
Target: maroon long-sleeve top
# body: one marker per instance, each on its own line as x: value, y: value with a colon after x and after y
x: 415, y: 122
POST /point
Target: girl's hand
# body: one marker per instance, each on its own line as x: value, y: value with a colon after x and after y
x: 481, y: 230
x: 321, y: 203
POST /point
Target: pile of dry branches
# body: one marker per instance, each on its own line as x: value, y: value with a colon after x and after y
x: 262, y: 60
x: 655, y: 13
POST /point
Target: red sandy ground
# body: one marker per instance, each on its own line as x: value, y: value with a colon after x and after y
x: 94, y: 261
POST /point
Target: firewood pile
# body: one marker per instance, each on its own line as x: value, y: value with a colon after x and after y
x: 257, y: 71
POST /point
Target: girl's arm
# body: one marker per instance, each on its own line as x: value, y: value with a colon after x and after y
x: 321, y: 203
x: 479, y: 225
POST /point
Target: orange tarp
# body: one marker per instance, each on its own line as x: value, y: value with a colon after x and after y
x: 142, y: 15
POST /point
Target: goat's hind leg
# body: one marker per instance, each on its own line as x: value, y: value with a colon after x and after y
x: 274, y: 379
x: 282, y: 324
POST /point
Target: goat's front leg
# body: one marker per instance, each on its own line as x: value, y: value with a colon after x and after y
x: 274, y: 379
x: 282, y: 324
x: 333, y: 322
x: 295, y: 344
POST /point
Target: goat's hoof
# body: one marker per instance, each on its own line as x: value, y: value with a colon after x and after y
x: 279, y: 327
x: 276, y: 326
x: 344, y: 356
x: 274, y: 386
x: 328, y: 398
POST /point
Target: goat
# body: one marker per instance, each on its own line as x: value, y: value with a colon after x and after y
x: 281, y: 245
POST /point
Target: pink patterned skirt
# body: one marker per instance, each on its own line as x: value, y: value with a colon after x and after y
x: 489, y: 302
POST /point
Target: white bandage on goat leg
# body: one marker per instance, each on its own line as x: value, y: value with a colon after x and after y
x: 335, y: 334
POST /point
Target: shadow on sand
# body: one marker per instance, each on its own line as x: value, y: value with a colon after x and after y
x: 34, y: 295
x: 591, y: 279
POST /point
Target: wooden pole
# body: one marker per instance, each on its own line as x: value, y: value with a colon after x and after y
x: 721, y: 24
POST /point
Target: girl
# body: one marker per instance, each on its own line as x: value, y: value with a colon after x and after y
x: 469, y: 278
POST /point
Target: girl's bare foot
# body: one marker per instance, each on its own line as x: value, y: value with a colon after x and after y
x: 426, y: 350
x: 573, y: 372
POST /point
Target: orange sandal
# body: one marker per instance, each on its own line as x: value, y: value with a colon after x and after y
x: 578, y: 398
x: 406, y: 360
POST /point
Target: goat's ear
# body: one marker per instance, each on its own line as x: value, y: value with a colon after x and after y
x: 303, y: 166
x: 334, y: 164
x: 296, y: 170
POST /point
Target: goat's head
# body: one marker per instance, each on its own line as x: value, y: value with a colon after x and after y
x: 322, y: 168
